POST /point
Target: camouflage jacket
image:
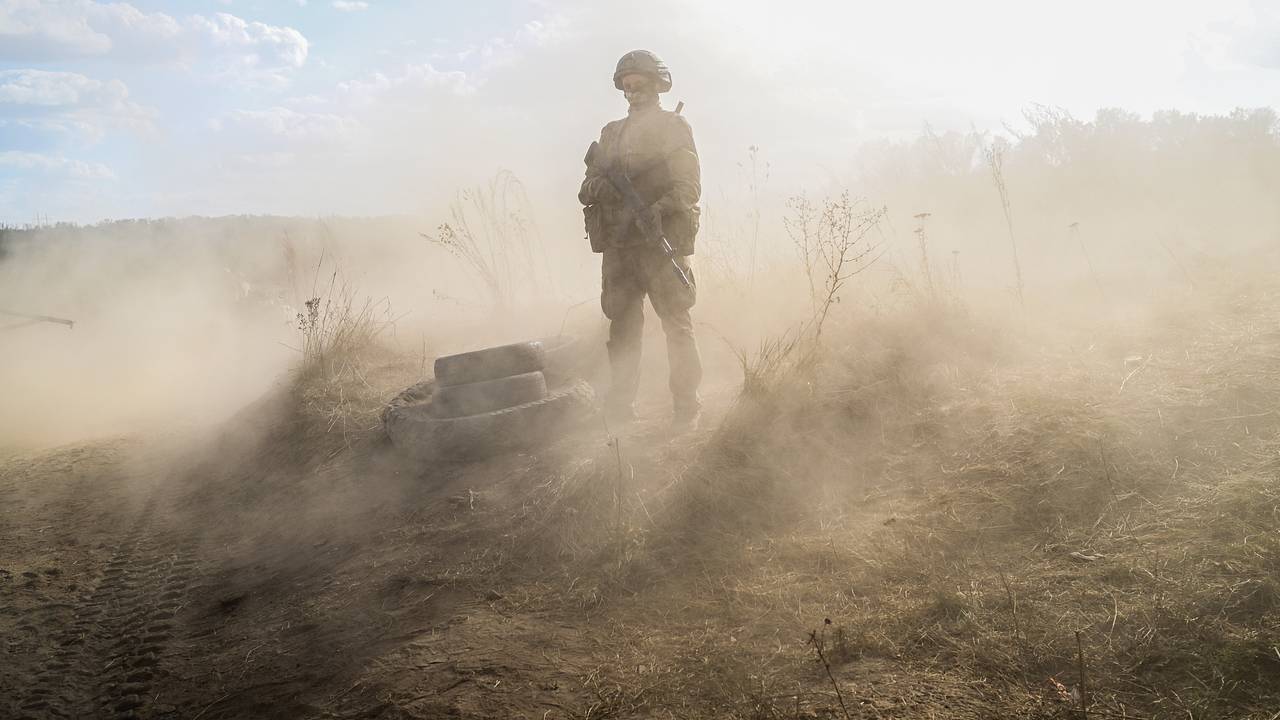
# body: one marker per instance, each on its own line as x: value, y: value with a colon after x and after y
x: 656, y: 150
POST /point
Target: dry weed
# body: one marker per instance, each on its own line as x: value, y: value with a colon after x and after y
x: 340, y: 331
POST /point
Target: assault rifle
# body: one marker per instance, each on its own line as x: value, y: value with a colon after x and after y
x: 33, y: 319
x: 636, y: 208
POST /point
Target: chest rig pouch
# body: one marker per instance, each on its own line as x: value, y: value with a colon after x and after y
x: 680, y: 225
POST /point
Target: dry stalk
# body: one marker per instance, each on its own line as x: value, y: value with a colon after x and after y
x: 835, y: 244
x: 337, y: 332
x: 620, y: 537
x: 923, y: 241
x: 1013, y: 609
x: 492, y: 232
x: 1084, y: 686
x: 843, y: 249
x: 816, y: 641
x: 801, y: 226
x: 1074, y: 230
x: 753, y: 215
x: 995, y: 160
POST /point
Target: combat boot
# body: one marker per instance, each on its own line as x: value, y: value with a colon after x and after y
x: 685, y: 420
x: 618, y: 414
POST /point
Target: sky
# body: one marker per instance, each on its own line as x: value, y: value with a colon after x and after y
x: 112, y: 110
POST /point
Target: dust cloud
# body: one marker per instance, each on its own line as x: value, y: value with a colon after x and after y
x: 933, y: 355
x: 191, y: 318
x: 181, y: 322
x: 187, y: 320
x: 161, y: 334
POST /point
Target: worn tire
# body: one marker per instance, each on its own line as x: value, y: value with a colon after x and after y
x: 413, y: 427
x: 416, y: 394
x: 490, y: 363
x: 488, y: 395
x: 563, y: 359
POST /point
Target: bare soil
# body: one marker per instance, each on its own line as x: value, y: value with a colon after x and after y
x: 274, y: 574
x: 943, y: 521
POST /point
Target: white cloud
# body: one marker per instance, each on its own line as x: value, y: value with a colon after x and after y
x: 39, y: 30
x: 69, y: 102
x: 506, y: 49
x: 57, y: 166
x: 273, y: 160
x: 286, y: 124
x: 350, y: 5
x: 411, y: 84
x: 312, y: 100
x: 51, y: 89
x: 539, y: 33
x: 133, y: 34
x: 365, y: 109
x: 818, y: 80
x: 51, y: 30
x: 1257, y: 36
x: 269, y: 45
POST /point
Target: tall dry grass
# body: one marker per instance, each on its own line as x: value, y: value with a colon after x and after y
x: 493, y: 234
x: 340, y: 331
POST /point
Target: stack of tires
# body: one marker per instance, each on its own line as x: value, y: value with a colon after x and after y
x: 490, y: 400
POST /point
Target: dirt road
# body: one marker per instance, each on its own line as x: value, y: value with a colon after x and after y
x: 261, y: 576
x: 91, y: 581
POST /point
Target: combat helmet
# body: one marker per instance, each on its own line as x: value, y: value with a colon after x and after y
x: 643, y: 62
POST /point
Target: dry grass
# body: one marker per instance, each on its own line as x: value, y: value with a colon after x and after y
x: 978, y: 524
x: 492, y: 233
x: 341, y: 331
x: 984, y: 515
x: 833, y: 240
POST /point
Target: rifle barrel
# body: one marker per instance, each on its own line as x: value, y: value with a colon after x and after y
x: 40, y: 318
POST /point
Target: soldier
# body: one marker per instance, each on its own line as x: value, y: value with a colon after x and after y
x: 654, y: 149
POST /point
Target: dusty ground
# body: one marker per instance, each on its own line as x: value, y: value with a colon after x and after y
x: 92, y: 583
x: 972, y: 523
x: 247, y: 578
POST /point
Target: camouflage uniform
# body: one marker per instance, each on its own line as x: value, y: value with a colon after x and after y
x: 656, y: 151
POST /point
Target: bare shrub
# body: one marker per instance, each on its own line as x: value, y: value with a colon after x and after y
x: 492, y: 232
x: 801, y: 223
x: 339, y: 331
x: 834, y: 241
x: 835, y: 244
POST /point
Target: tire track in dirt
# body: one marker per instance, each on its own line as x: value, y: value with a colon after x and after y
x: 108, y: 656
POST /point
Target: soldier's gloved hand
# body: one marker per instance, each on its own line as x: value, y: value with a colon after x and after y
x: 650, y: 222
x: 599, y: 191
x: 607, y: 194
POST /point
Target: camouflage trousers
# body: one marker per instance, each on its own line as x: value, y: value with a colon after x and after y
x: 629, y: 274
